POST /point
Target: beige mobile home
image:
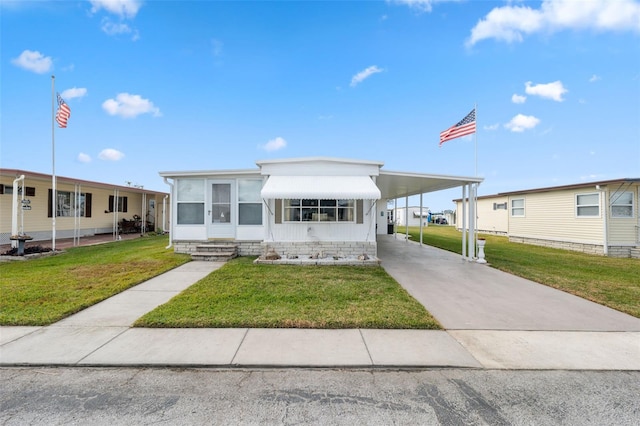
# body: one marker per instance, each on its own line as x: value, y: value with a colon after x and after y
x: 596, y: 217
x: 82, y: 208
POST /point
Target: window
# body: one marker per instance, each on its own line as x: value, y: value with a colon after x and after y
x: 70, y: 204
x: 588, y: 205
x: 622, y: 204
x: 122, y: 204
x: 298, y: 210
x: 517, y: 207
x: 249, y: 202
x: 29, y: 191
x: 190, y: 201
x: 499, y: 206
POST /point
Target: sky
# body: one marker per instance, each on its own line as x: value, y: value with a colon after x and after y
x: 206, y: 85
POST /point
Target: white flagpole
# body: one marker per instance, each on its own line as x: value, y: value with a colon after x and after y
x: 54, y: 195
x: 475, y: 108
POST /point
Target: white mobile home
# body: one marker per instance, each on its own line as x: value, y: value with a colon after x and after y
x: 596, y: 217
x: 295, y: 207
x: 411, y: 215
x: 82, y: 208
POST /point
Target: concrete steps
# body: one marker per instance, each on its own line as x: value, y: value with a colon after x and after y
x: 215, y: 252
x: 634, y: 253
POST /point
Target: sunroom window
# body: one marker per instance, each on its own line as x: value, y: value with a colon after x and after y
x: 190, y: 201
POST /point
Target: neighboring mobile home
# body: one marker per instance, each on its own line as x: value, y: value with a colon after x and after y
x: 295, y: 207
x: 82, y: 207
x: 411, y: 215
x: 596, y: 217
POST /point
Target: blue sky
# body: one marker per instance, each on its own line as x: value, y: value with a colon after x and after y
x: 199, y: 85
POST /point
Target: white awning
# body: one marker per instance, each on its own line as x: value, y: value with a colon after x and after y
x: 321, y: 188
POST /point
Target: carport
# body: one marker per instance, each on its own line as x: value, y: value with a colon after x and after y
x: 396, y: 185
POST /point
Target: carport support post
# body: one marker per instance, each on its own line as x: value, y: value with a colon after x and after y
x: 406, y: 218
x: 472, y: 221
x: 395, y: 216
x: 420, y: 219
x: 464, y: 221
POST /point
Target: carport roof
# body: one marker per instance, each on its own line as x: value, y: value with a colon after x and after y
x: 400, y: 184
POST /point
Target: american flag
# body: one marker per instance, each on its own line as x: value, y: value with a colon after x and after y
x: 64, y: 112
x: 464, y: 127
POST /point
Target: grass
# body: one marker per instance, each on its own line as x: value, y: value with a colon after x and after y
x: 613, y: 282
x: 241, y: 294
x: 44, y: 290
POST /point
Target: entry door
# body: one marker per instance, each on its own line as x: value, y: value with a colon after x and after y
x: 221, y: 210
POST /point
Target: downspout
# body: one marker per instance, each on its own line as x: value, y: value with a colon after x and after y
x: 14, y: 210
x: 605, y: 227
x: 171, y: 185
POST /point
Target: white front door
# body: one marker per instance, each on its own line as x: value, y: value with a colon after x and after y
x: 221, y: 216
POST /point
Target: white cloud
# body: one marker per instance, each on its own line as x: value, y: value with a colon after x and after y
x: 420, y: 5
x: 110, y: 154
x: 518, y: 99
x: 553, y: 90
x: 84, y: 158
x: 520, y: 123
x: 594, y: 78
x: 510, y: 23
x: 129, y: 106
x: 364, y: 74
x: 75, y: 92
x: 123, y: 8
x: 492, y: 126
x: 275, y: 144
x: 33, y: 61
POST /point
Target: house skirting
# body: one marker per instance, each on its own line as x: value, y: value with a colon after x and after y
x: 321, y: 249
x: 596, y: 249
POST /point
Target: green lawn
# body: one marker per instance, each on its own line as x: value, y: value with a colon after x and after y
x: 44, y: 290
x: 242, y: 294
x: 612, y: 282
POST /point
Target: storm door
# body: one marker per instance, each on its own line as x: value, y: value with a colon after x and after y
x: 221, y: 210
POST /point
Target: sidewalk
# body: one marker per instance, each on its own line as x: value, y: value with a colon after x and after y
x: 567, y: 332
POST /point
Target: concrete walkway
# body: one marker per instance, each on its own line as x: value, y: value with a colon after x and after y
x: 492, y: 320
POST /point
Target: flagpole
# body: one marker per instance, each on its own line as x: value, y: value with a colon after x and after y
x: 54, y: 195
x: 475, y: 108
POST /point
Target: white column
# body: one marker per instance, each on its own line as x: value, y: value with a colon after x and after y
x: 464, y: 221
x: 420, y: 219
x: 472, y: 221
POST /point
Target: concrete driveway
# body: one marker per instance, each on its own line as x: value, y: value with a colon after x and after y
x: 465, y: 295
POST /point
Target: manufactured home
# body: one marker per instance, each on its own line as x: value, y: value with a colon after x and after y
x: 595, y: 217
x: 293, y: 207
x: 414, y: 216
x: 82, y: 208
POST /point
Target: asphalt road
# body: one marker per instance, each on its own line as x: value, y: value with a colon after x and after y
x: 110, y: 396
